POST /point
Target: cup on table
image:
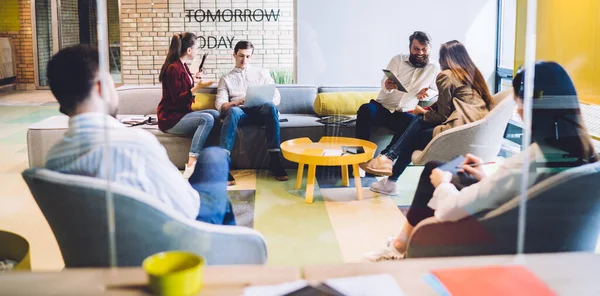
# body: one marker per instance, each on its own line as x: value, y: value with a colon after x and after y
x: 175, y: 273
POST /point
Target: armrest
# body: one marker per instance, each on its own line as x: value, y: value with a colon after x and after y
x: 433, y: 238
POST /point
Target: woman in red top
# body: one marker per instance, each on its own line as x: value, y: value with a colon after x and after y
x: 175, y: 115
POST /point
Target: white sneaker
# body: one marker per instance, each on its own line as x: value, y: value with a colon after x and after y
x: 189, y: 170
x: 384, y: 187
x: 389, y: 253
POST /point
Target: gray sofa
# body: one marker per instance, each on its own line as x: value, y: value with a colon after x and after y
x: 250, y: 150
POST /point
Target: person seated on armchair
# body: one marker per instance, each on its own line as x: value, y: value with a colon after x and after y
x: 463, y: 98
x: 559, y: 141
x: 98, y: 145
x: 392, y: 107
x: 231, y: 94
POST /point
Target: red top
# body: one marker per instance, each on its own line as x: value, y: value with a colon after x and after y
x: 177, y: 97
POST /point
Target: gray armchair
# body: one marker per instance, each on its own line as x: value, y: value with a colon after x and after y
x: 482, y: 138
x: 75, y: 208
x: 563, y: 215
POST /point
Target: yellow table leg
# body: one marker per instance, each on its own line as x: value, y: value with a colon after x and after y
x: 310, y: 183
x: 345, y: 179
x: 357, y: 181
x: 299, y: 175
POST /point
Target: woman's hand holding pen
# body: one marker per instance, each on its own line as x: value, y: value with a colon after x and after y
x: 472, y: 166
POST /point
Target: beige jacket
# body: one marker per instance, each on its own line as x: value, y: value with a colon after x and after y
x: 457, y: 104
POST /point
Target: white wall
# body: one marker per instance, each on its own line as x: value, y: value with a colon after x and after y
x: 346, y: 42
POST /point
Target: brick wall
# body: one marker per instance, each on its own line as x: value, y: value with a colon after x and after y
x: 22, y: 39
x: 148, y: 25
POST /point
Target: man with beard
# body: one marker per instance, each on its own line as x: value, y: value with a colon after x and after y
x: 392, y: 107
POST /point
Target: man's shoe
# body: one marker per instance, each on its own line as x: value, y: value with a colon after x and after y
x: 230, y: 180
x: 380, y: 165
x: 385, y: 187
x: 279, y: 173
x: 276, y: 168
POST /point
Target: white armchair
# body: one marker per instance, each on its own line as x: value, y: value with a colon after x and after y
x: 482, y: 138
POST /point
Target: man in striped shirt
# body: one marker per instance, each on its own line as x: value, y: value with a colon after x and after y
x: 97, y: 145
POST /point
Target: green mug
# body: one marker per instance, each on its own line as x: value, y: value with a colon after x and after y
x: 175, y: 273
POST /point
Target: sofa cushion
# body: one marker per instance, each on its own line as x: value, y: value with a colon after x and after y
x: 345, y: 103
x: 295, y: 98
x: 204, y: 101
x: 344, y: 88
x: 143, y: 99
x: 139, y: 99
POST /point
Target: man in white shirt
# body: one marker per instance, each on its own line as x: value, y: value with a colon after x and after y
x: 392, y: 107
x: 98, y: 145
x: 231, y: 95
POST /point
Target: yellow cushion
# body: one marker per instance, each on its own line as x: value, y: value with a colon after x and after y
x: 341, y: 103
x: 204, y: 101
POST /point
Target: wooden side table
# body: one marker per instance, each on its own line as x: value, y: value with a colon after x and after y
x: 306, y: 152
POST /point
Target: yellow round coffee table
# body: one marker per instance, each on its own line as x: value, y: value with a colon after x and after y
x: 326, y: 153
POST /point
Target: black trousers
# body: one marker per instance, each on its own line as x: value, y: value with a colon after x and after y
x: 419, y: 210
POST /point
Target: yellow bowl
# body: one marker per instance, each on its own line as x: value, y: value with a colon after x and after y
x: 175, y: 273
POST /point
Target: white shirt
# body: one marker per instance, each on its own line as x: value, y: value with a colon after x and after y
x: 234, y: 85
x: 138, y: 160
x: 415, y: 79
x: 492, y: 191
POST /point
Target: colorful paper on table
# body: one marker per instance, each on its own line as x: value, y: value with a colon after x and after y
x: 488, y: 280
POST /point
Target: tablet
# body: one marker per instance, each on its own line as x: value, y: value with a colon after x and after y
x: 453, y: 165
x: 202, y: 63
x: 395, y: 79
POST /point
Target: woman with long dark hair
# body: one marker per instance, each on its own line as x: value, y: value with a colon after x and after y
x: 559, y: 141
x: 175, y: 115
x: 463, y: 98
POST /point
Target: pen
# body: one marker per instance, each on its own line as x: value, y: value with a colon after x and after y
x: 477, y: 164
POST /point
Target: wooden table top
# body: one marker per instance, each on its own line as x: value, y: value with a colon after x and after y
x: 218, y: 280
x: 566, y: 274
x: 305, y: 151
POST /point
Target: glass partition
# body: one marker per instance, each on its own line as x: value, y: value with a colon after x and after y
x: 337, y: 162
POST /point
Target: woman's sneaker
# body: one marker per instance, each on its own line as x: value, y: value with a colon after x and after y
x: 389, y: 253
x: 384, y: 187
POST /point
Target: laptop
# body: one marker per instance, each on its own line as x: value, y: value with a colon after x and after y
x: 258, y: 94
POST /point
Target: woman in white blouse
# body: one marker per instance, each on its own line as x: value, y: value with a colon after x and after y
x: 559, y: 141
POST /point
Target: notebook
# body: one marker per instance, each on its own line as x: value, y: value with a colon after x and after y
x: 487, y: 280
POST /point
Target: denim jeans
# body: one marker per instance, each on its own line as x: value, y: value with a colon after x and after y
x: 240, y: 116
x: 374, y: 114
x: 198, y: 123
x: 210, y: 181
x: 416, y: 136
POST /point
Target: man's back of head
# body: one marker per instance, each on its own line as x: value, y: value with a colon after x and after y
x: 74, y: 78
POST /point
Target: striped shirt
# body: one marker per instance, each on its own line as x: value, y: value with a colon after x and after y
x: 135, y: 158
